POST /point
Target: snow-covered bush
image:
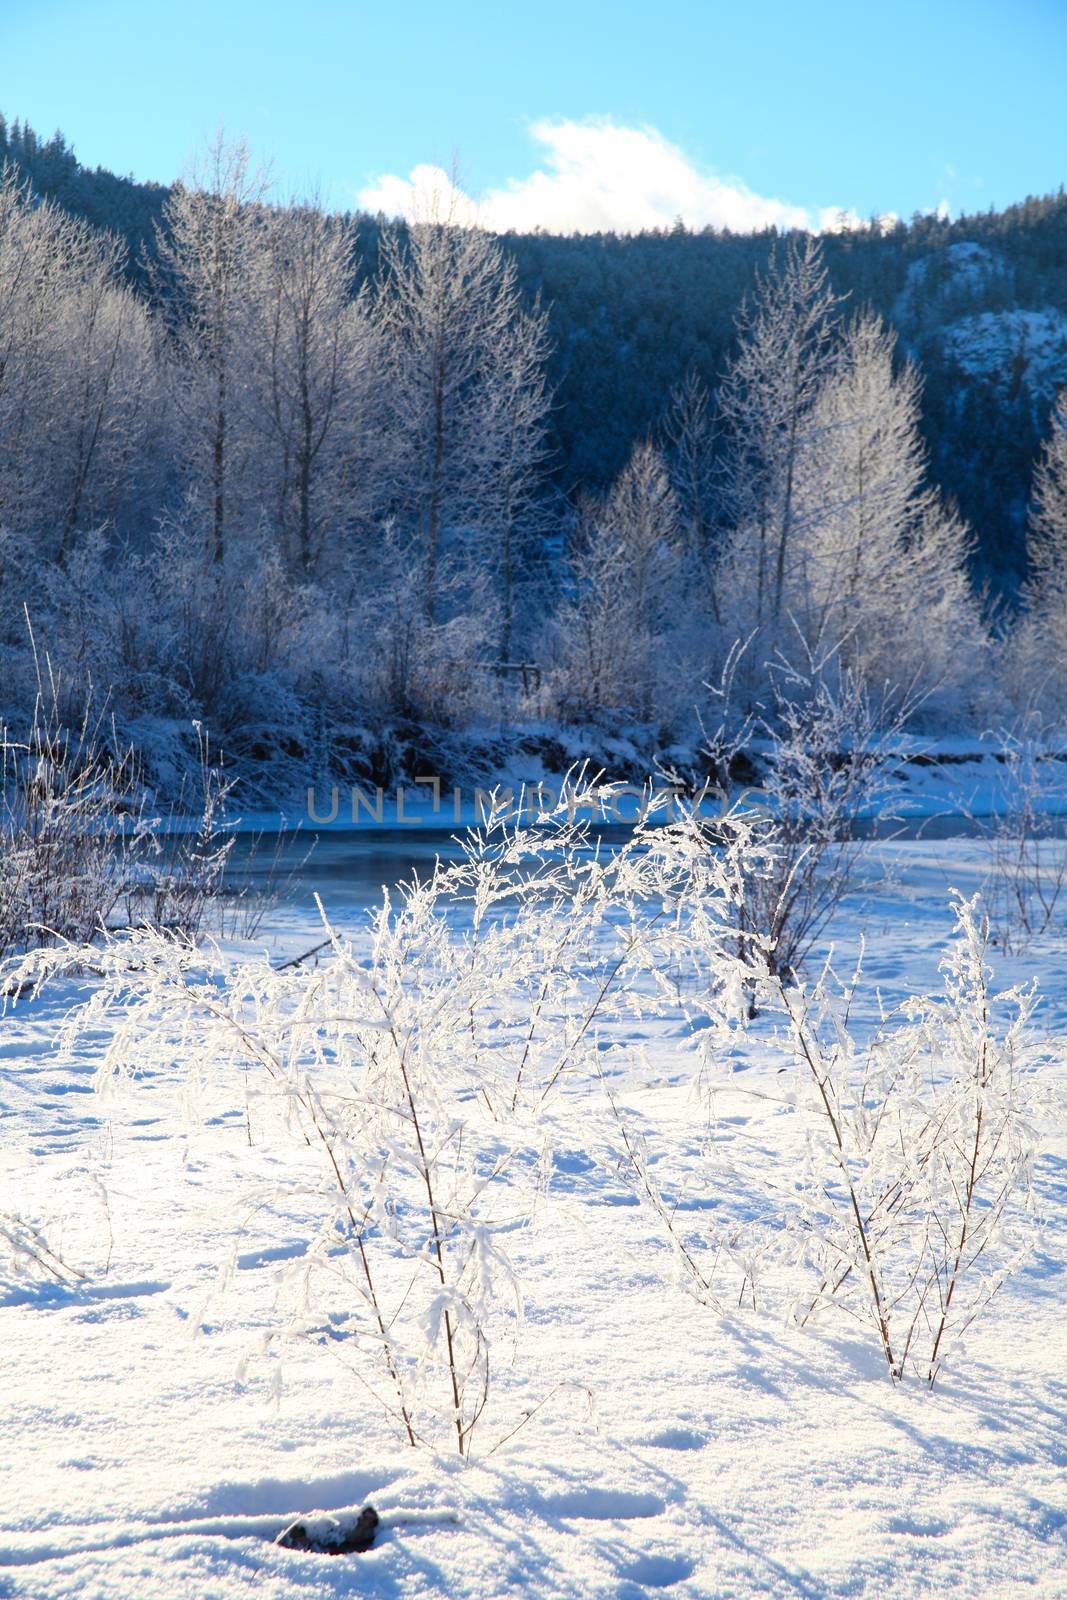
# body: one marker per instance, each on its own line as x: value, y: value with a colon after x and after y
x: 829, y: 750
x: 1026, y: 881
x: 80, y: 850
x: 424, y: 1075
x: 69, y: 823
x: 900, y: 1194
x: 182, y: 859
x: 910, y: 1204
x: 400, y: 662
x: 27, y: 1254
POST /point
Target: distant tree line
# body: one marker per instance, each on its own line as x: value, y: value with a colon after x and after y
x: 291, y: 487
x: 631, y: 317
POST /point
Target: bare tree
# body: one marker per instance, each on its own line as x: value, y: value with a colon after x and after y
x: 465, y: 382
x: 76, y: 371
x: 313, y: 386
x: 786, y: 349
x: 206, y: 247
x: 691, y: 429
x: 615, y: 625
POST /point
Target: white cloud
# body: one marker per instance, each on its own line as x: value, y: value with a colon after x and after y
x: 597, y: 176
x: 428, y: 192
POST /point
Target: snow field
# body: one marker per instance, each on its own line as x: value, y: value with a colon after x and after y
x: 680, y: 1450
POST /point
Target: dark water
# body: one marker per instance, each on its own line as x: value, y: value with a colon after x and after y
x: 349, y: 867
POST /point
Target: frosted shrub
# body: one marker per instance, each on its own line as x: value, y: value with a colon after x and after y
x: 426, y: 1070
x: 184, y: 859
x: 831, y: 750
x: 27, y: 1254
x: 79, y: 851
x: 1026, y: 881
x: 911, y: 1204
x: 402, y: 663
x: 69, y: 824
x: 903, y: 1197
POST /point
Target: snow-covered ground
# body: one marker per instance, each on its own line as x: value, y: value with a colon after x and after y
x: 693, y: 1453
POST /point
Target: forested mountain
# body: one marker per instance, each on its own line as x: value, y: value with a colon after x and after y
x: 980, y: 302
x: 121, y: 205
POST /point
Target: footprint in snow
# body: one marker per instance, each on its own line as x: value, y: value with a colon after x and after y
x: 651, y: 1571
x: 677, y: 1439
x: 602, y: 1505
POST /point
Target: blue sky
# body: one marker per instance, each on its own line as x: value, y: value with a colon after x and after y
x: 569, y: 113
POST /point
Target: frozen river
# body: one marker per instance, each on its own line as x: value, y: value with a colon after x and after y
x: 349, y: 866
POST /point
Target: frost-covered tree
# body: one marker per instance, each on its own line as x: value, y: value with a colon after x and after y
x: 77, y: 374
x: 111, y: 378
x: 32, y: 248
x: 313, y: 377
x: 464, y: 377
x: 690, y: 428
x: 207, y: 250
x: 615, y: 626
x: 881, y: 569
x: 1047, y: 543
x: 516, y: 402
x: 863, y: 474
x: 1037, y: 650
x: 767, y: 401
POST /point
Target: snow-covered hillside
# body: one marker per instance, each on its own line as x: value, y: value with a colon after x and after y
x: 941, y: 306
x: 1012, y: 347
